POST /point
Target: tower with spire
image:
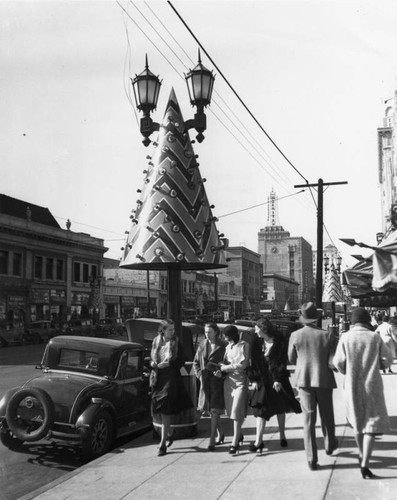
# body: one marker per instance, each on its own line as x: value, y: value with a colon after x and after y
x: 284, y: 258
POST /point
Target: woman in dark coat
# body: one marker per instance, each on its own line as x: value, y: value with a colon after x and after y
x: 169, y: 396
x: 209, y: 355
x: 268, y: 374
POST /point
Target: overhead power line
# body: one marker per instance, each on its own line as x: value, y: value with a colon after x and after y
x: 235, y: 92
x: 258, y: 205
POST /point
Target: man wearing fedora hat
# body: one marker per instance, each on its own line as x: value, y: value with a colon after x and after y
x: 311, y: 349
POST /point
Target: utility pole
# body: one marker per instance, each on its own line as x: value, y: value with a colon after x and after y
x: 320, y: 223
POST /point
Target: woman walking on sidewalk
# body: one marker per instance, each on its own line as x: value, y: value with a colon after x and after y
x: 169, y: 396
x: 236, y: 383
x: 209, y: 355
x: 359, y: 355
x: 268, y: 374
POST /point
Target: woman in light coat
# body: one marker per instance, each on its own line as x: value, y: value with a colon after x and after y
x: 209, y: 355
x: 359, y: 355
x: 236, y: 382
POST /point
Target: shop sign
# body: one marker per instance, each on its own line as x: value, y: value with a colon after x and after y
x: 111, y: 299
x: 41, y: 296
x: 80, y: 298
x: 16, y: 302
x: 128, y: 301
x: 58, y: 297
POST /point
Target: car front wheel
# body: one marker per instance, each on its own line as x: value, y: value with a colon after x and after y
x: 100, y: 437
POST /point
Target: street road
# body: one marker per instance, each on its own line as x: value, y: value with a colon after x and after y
x: 36, y: 464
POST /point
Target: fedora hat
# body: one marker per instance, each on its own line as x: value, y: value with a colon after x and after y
x: 309, y: 313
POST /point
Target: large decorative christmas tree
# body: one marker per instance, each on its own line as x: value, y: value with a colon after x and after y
x: 173, y: 226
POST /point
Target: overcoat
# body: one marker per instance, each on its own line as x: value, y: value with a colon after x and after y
x: 265, y: 370
x: 211, y: 393
x: 311, y: 350
x: 358, y: 357
x: 169, y: 395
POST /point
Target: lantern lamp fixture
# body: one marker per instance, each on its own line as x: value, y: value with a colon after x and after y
x: 146, y: 87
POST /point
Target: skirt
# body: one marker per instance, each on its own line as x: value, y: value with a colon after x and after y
x: 169, y: 395
x: 236, y: 396
x: 266, y: 402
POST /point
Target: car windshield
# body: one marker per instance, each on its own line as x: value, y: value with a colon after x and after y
x: 73, y: 358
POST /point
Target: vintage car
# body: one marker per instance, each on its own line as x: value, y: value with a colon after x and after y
x: 12, y: 334
x: 40, y: 331
x: 109, y: 326
x: 84, y: 327
x: 90, y: 391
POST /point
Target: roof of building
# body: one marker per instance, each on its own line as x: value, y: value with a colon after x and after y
x: 26, y: 210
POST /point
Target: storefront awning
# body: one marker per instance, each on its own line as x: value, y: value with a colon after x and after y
x: 374, y: 280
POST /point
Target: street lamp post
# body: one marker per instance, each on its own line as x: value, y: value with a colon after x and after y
x: 173, y: 227
x: 146, y: 86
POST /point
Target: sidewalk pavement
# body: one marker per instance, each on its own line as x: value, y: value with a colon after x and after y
x: 189, y: 471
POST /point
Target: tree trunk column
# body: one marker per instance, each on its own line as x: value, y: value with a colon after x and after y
x: 174, y: 299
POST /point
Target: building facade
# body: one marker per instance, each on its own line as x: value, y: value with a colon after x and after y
x: 279, y: 293
x: 283, y: 255
x: 245, y: 271
x: 127, y: 293
x: 387, y: 167
x: 45, y: 272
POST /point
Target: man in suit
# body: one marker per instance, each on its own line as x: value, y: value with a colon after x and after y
x: 311, y: 349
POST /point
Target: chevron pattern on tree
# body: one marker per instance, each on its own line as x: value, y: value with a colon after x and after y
x: 332, y: 288
x: 173, y: 224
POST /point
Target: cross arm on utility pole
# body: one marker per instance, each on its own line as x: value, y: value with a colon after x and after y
x: 323, y: 183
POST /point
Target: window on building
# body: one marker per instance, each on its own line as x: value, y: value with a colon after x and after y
x: 76, y: 272
x: 59, y: 269
x: 49, y: 268
x: 38, y: 267
x: 4, y: 262
x: 86, y: 273
x: 184, y: 286
x: 94, y: 272
x: 17, y: 264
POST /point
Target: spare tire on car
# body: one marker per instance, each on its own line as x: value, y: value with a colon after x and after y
x: 30, y: 414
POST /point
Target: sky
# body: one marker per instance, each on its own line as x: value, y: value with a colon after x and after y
x: 315, y: 74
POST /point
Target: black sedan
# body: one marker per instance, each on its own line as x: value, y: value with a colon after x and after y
x: 90, y: 392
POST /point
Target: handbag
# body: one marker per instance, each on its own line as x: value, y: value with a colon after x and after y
x: 153, y: 378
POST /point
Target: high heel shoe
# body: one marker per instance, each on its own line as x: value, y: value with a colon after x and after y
x: 366, y: 473
x: 170, y: 440
x: 220, y: 440
x: 283, y: 443
x: 254, y: 448
x: 234, y: 449
x: 162, y: 451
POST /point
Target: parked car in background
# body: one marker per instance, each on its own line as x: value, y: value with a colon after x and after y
x: 90, y: 391
x: 40, y: 331
x: 12, y: 335
x: 82, y: 327
x: 110, y: 326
